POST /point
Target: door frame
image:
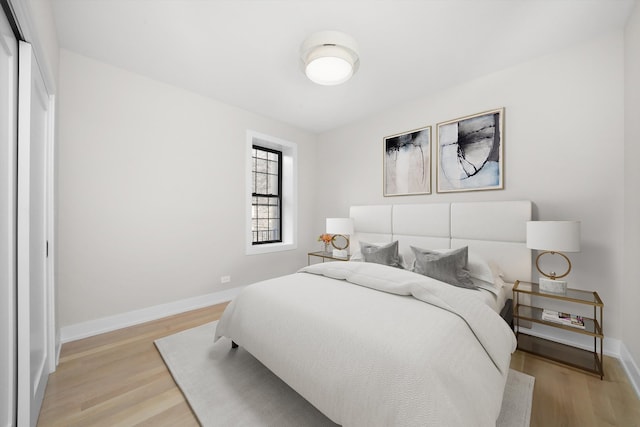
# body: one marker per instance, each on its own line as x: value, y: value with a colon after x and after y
x: 22, y: 16
x: 53, y: 331
x: 8, y: 193
x: 27, y: 396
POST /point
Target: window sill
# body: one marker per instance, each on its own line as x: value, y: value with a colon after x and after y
x: 270, y: 247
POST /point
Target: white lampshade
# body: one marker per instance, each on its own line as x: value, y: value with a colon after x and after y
x: 329, y: 57
x: 342, y: 226
x: 556, y: 236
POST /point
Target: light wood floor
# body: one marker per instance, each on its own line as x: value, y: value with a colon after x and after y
x: 119, y: 379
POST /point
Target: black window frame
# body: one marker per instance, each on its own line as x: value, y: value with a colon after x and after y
x: 255, y: 232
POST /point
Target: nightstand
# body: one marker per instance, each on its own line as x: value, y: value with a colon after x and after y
x: 324, y: 255
x: 587, y: 360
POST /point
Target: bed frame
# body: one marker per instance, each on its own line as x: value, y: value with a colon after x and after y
x: 494, y: 230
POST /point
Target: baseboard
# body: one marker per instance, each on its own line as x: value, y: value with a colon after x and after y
x: 58, y: 350
x: 631, y: 368
x: 612, y: 347
x: 119, y: 321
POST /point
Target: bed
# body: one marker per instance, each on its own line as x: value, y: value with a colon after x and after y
x: 373, y: 345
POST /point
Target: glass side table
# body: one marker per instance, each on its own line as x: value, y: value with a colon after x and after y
x: 587, y: 360
x: 324, y: 255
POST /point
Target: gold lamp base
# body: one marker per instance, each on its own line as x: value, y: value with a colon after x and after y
x: 551, y: 284
x: 552, y: 275
x: 340, y: 242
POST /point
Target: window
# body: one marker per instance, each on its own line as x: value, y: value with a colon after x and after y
x: 271, y: 194
x: 266, y: 195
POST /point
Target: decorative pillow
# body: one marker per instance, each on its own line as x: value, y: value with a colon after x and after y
x: 477, y: 267
x: 447, y: 267
x: 381, y: 254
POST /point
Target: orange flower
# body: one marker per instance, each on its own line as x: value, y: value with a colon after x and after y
x: 326, y: 238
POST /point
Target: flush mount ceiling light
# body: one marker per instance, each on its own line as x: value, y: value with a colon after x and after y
x: 329, y: 57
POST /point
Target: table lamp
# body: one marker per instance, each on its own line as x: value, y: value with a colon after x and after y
x: 554, y: 238
x: 341, y: 229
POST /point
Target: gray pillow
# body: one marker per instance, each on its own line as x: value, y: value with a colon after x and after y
x: 448, y: 267
x: 385, y: 254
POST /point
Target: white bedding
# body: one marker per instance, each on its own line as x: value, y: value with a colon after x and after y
x: 492, y: 296
x: 377, y: 346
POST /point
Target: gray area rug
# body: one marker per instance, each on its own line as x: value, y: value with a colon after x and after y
x: 227, y: 388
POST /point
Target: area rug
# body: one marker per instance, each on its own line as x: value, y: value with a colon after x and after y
x: 240, y: 391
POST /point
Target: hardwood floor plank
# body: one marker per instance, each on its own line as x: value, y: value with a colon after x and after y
x: 177, y: 415
x: 140, y: 410
x: 119, y: 379
x: 119, y: 376
x: 568, y: 397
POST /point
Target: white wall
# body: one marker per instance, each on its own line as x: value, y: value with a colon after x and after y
x: 151, y: 203
x: 564, y: 150
x: 631, y: 284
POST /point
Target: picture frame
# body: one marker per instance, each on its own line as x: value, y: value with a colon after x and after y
x: 407, y: 163
x: 470, y: 153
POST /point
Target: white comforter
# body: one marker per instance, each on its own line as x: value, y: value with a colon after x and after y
x: 370, y: 345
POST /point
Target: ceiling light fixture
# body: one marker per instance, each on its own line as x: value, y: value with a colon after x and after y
x: 329, y: 57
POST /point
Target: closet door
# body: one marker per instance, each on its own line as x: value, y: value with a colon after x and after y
x: 8, y: 158
x: 34, y: 346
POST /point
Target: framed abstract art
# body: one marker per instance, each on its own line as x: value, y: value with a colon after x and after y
x: 407, y: 163
x: 470, y: 153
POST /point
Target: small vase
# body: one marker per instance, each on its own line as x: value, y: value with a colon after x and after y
x: 325, y: 247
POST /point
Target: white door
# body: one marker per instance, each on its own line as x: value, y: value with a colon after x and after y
x: 8, y: 147
x: 33, y: 296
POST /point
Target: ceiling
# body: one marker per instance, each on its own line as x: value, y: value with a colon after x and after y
x: 246, y: 52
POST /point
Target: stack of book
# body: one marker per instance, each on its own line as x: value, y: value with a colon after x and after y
x: 563, y: 318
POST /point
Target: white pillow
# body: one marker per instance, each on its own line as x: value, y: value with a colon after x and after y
x: 498, y: 275
x: 479, y: 268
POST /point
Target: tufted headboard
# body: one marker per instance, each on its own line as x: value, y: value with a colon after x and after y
x: 496, y: 231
